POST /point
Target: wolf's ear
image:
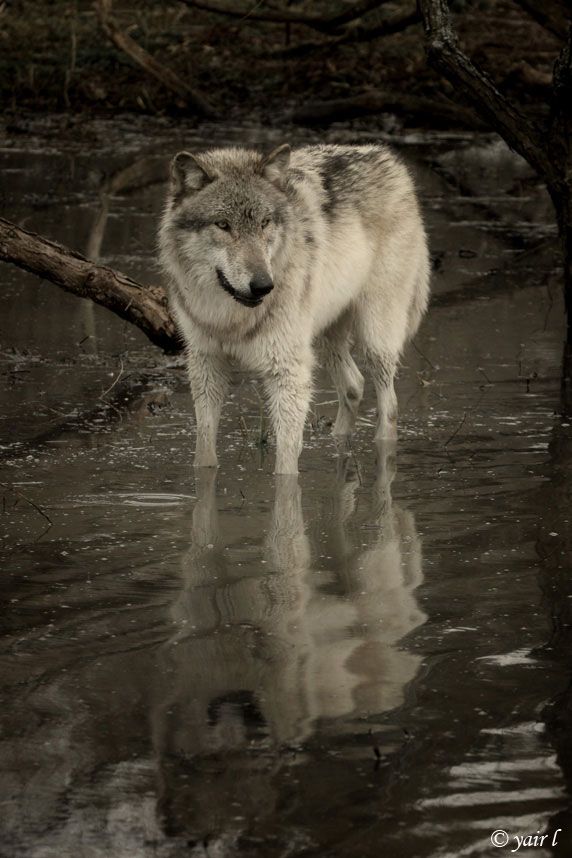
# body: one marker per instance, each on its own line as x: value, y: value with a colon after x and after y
x: 275, y: 165
x: 188, y: 173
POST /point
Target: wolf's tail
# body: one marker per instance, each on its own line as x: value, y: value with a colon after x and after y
x: 420, y: 299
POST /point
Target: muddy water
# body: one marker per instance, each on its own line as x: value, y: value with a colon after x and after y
x: 372, y: 659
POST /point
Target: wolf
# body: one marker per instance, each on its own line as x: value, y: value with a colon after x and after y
x: 269, y: 254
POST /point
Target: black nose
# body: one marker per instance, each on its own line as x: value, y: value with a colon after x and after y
x: 261, y: 285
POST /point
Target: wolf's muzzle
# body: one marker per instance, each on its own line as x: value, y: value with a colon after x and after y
x: 247, y: 301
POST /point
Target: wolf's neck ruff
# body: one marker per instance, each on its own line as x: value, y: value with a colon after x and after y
x: 242, y: 299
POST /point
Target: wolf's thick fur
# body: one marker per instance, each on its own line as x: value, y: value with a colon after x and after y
x: 267, y: 253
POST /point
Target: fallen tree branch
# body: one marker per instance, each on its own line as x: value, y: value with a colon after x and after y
x: 366, y: 103
x: 287, y: 16
x: 188, y: 97
x: 143, y: 306
x: 518, y: 131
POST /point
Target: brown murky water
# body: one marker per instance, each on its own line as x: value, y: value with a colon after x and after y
x: 373, y: 659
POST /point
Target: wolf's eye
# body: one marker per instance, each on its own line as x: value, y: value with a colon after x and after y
x: 265, y: 223
x: 223, y: 224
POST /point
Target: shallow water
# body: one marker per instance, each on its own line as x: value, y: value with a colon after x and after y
x: 373, y: 659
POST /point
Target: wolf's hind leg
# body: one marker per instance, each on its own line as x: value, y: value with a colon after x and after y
x: 382, y: 366
x: 209, y: 379
x: 346, y: 377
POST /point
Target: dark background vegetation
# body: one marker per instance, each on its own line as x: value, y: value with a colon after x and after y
x: 54, y: 56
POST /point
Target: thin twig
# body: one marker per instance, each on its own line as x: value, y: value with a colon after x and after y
x: 112, y: 385
x: 457, y: 430
x: 419, y: 352
x: 12, y: 487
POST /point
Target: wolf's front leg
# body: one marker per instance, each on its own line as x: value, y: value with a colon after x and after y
x: 288, y: 390
x: 209, y: 379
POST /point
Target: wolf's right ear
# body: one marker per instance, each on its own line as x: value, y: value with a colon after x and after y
x: 188, y: 173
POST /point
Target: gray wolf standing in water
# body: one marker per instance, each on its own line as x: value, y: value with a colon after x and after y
x: 267, y: 253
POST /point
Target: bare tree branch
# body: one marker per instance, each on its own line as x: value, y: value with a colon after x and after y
x: 144, y: 306
x: 188, y: 96
x: 518, y: 131
x: 551, y: 14
x: 548, y: 151
x: 287, y: 16
x: 360, y: 33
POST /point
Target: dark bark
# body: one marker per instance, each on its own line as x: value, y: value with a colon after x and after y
x: 144, y: 306
x: 518, y: 131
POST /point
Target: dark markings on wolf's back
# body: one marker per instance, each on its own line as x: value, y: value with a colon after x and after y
x: 341, y: 172
x: 343, y: 177
x: 333, y: 172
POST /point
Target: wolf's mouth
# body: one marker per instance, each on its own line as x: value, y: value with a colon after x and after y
x: 242, y: 299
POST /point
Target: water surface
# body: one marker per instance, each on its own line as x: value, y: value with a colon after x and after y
x: 372, y: 659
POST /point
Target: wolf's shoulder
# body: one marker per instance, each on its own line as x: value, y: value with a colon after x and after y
x: 341, y: 157
x: 340, y: 167
x: 350, y: 175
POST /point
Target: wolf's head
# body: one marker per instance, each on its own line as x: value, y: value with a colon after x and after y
x: 224, y: 221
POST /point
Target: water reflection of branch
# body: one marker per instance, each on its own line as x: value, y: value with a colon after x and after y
x: 140, y: 174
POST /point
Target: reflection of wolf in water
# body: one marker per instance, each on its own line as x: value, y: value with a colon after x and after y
x: 266, y: 253
x: 260, y: 659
